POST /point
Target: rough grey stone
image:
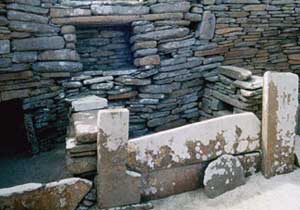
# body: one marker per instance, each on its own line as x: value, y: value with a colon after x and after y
x: 4, y: 46
x: 24, y: 16
x: 39, y: 43
x: 235, y: 72
x: 57, y: 66
x: 183, y: 6
x: 206, y: 29
x: 88, y: 103
x: 59, y: 55
x: 24, y: 57
x: 222, y: 175
x: 118, y: 10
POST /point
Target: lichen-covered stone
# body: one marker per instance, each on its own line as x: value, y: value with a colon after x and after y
x: 222, y: 175
x: 280, y: 105
x: 61, y: 195
x: 196, y: 143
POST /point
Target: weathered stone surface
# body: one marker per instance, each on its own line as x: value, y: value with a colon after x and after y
x: 24, y: 57
x: 251, y: 162
x: 59, y: 55
x: 27, y: 8
x: 164, y: 34
x: 32, y: 27
x: 98, y: 9
x: 62, y: 195
x: 222, y: 175
x: 4, y: 46
x: 98, y: 80
x: 235, y: 72
x: 206, y: 29
x: 88, y: 103
x: 167, y: 182
x: 85, y: 126
x: 233, y: 134
x: 256, y: 82
x: 114, y: 180
x: 81, y: 165
x: 69, y: 12
x: 58, y: 66
x: 16, y: 76
x: 148, y: 60
x: 72, y: 147
x: 39, y: 43
x: 280, y: 104
x: 183, y: 6
x: 168, y: 88
x: 24, y: 16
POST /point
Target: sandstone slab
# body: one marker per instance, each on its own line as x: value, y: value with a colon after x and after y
x: 98, y: 9
x: 280, y: 104
x: 39, y: 43
x: 62, y: 195
x: 196, y: 143
x: 235, y: 72
x: 4, y: 46
x: 116, y: 186
x: 88, y: 103
x: 206, y: 29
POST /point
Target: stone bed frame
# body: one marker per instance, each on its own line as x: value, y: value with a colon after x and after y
x: 40, y: 66
x: 174, y: 161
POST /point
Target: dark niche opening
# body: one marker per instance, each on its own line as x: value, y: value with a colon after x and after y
x: 104, y: 47
x: 13, y: 140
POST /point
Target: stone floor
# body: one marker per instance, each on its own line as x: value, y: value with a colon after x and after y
x: 42, y: 168
x: 281, y: 192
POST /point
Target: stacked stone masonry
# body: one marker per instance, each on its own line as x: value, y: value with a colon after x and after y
x: 171, y: 53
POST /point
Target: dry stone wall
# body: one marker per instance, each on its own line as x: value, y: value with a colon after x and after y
x: 175, y: 50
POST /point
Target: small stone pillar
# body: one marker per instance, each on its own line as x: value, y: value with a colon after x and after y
x: 116, y: 186
x: 280, y: 103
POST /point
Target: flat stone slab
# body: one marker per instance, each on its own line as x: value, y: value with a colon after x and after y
x: 62, y: 195
x: 85, y: 126
x: 167, y: 182
x: 116, y: 186
x: 280, y: 105
x: 222, y: 175
x: 254, y: 83
x: 195, y: 143
x: 235, y: 72
x: 73, y: 147
x: 81, y: 165
x: 89, y: 103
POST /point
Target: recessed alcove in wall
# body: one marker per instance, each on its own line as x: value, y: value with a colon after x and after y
x: 13, y: 138
x: 104, y: 47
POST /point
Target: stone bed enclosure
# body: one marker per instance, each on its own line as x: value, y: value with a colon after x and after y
x: 151, y: 67
x: 159, y: 59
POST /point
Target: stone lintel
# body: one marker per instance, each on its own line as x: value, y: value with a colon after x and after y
x: 114, y: 19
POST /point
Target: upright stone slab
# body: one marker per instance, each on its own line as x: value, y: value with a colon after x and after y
x: 116, y: 186
x: 280, y: 102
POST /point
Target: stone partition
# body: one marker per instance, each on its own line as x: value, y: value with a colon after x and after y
x: 280, y: 110
x: 169, y: 162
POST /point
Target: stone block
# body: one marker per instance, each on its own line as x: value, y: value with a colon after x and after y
x: 280, y: 104
x: 98, y: 9
x: 222, y: 175
x: 61, y: 195
x: 196, y: 143
x: 167, y: 182
x: 39, y: 43
x: 59, y: 55
x: 235, y: 72
x: 23, y: 16
x: 4, y: 46
x: 206, y: 29
x: 148, y: 60
x: 116, y: 186
x: 85, y: 126
x: 182, y: 6
x: 32, y: 27
x: 256, y: 82
x: 24, y: 57
x: 88, y: 103
x: 81, y: 165
x: 58, y: 66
